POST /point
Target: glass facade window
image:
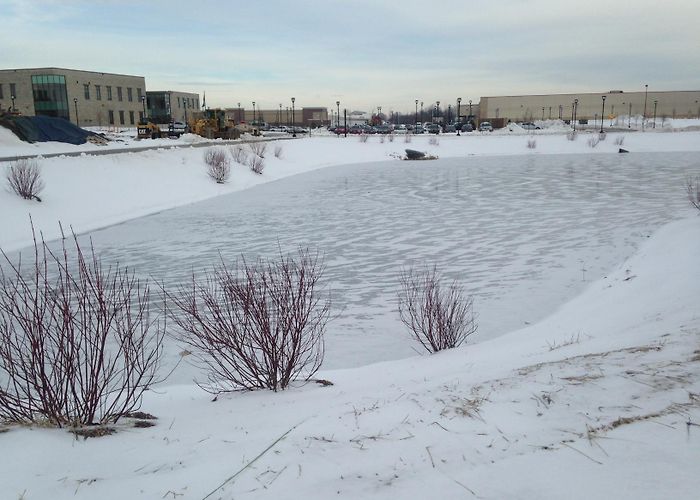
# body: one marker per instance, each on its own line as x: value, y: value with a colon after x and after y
x: 50, y: 95
x: 109, y: 92
x: 130, y: 94
x: 1, y: 91
x: 121, y: 117
x: 111, y: 116
x: 13, y: 90
x: 120, y: 95
x: 98, y: 92
x: 131, y: 117
x: 86, y: 91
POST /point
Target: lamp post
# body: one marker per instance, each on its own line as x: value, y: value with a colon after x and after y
x: 655, y: 102
x: 542, y: 113
x: 239, y: 113
x: 602, y: 115
x: 415, y: 124
x: 459, y: 118
x: 629, y: 117
x: 574, y: 115
x: 421, y: 111
x: 253, y: 122
x: 470, y: 108
x: 337, y: 103
x: 279, y: 117
x: 143, y: 101
x: 294, y: 130
x: 644, y: 116
x: 13, y: 103
x: 561, y: 111
x: 437, y: 110
x: 75, y: 101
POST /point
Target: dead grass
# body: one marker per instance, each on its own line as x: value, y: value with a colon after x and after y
x: 93, y: 432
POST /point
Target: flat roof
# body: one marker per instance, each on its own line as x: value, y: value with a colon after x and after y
x: 51, y: 68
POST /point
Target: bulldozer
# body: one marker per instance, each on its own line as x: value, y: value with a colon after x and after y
x: 212, y: 124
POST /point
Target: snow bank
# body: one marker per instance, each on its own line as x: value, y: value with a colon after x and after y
x: 591, y: 403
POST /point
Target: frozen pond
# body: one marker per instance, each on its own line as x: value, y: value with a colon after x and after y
x: 523, y: 234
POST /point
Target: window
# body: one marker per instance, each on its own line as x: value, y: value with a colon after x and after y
x: 98, y: 92
x: 111, y: 116
x: 121, y: 117
x: 130, y: 94
x: 86, y: 91
x: 178, y: 102
x: 109, y: 95
x: 140, y: 116
x: 0, y: 90
x: 139, y: 93
x: 120, y: 96
x: 13, y: 92
x: 50, y: 96
x: 131, y: 117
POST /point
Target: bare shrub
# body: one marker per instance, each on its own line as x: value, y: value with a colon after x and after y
x: 693, y: 188
x: 24, y: 178
x: 407, y: 139
x: 602, y: 136
x: 382, y: 138
x: 390, y: 137
x: 619, y: 140
x: 239, y: 155
x: 434, y: 141
x: 258, y: 326
x: 258, y: 148
x: 571, y: 135
x: 218, y: 167
x: 593, y: 142
x: 531, y: 144
x: 78, y: 345
x: 438, y: 317
x: 278, y: 151
x: 256, y: 164
x: 363, y: 137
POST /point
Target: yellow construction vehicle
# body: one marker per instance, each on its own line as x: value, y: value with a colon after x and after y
x: 212, y: 124
x: 148, y: 130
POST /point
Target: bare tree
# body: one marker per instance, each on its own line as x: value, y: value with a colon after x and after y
x: 256, y: 164
x: 693, y: 188
x: 78, y: 345
x: 218, y: 167
x: 257, y: 326
x: 24, y: 178
x: 438, y: 317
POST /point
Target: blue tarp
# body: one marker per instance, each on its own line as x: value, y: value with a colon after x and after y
x: 45, y: 128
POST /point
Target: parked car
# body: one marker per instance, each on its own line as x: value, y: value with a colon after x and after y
x: 418, y: 129
x: 529, y: 126
x: 355, y: 129
x: 432, y: 128
x: 450, y: 128
x: 339, y: 130
x: 382, y: 129
x: 485, y: 127
x: 467, y: 127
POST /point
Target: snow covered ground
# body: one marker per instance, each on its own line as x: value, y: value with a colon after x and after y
x: 598, y: 397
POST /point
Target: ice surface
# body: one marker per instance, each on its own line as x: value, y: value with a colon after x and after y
x: 524, y: 234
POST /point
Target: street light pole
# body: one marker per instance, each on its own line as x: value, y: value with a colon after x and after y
x: 644, y: 117
x: 14, y: 110
x: 655, y: 101
x: 143, y: 101
x: 415, y: 123
x: 629, y: 117
x: 294, y: 130
x: 239, y: 113
x: 75, y: 101
x: 421, y: 112
x: 542, y: 113
x: 337, y: 103
x: 253, y: 122
x: 575, y: 112
x: 459, y: 118
x: 602, y: 116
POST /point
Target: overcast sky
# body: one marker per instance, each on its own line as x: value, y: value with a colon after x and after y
x: 365, y: 53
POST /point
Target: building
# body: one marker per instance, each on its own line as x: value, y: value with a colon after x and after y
x: 164, y: 106
x: 589, y: 106
x: 86, y: 98
x: 305, y: 117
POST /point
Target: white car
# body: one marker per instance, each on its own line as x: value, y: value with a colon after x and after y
x: 485, y: 127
